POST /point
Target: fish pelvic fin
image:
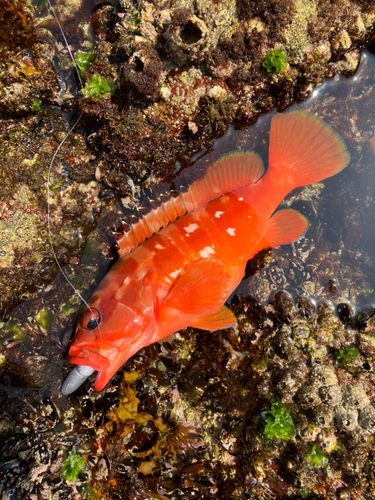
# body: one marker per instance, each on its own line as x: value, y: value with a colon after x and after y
x: 303, y: 149
x: 228, y: 174
x: 223, y: 318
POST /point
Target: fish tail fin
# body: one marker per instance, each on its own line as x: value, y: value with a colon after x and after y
x: 303, y: 149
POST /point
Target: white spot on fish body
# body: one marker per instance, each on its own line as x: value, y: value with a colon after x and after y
x: 218, y: 213
x: 167, y: 280
x: 206, y: 252
x: 191, y: 228
x: 175, y: 273
x: 231, y: 230
x: 241, y: 199
x: 159, y: 247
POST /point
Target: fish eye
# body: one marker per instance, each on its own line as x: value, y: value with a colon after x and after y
x: 90, y: 319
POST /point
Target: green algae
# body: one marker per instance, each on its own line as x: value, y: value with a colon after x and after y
x: 12, y: 328
x: 279, y: 422
x: 98, y: 87
x: 73, y: 466
x: 274, y: 61
x: 346, y: 355
x: 36, y: 104
x: 88, y: 492
x: 45, y: 318
x: 316, y: 458
x: 91, y: 250
x: 83, y: 61
x: 20, y: 335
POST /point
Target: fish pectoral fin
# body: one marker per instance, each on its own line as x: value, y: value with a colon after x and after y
x: 200, y: 288
x: 284, y: 227
x: 223, y: 318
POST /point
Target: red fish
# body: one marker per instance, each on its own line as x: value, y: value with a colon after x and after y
x: 180, y: 263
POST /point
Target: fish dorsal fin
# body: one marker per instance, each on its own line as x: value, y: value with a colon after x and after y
x: 231, y: 172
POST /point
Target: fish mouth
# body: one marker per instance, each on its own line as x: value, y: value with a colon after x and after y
x: 79, y: 355
x: 88, y: 361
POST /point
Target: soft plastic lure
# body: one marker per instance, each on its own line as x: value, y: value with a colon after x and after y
x: 180, y: 263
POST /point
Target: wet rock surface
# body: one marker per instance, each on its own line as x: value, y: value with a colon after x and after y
x: 250, y: 412
x: 280, y: 406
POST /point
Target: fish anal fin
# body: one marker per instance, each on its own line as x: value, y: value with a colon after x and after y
x: 304, y: 149
x: 228, y: 174
x: 202, y: 287
x: 284, y: 227
x: 223, y: 318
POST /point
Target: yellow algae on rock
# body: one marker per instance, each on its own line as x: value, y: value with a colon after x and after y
x: 296, y: 36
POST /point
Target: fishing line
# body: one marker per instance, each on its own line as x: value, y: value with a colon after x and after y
x: 49, y: 174
x: 66, y: 42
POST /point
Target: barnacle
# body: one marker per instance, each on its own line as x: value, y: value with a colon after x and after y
x: 187, y: 37
x: 143, y: 71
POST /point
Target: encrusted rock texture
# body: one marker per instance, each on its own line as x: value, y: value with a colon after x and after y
x: 181, y: 71
x: 196, y: 418
x: 283, y: 404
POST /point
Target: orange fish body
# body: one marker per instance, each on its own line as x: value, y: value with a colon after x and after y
x: 179, y: 264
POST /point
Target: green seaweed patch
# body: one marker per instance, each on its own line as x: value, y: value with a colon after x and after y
x: 277, y: 423
x: 45, y: 318
x: 56, y: 183
x: 317, y: 458
x: 88, y: 492
x: 346, y: 355
x: 36, y: 104
x: 83, y: 61
x: 13, y: 328
x: 98, y: 87
x: 274, y: 61
x: 260, y: 424
x: 280, y: 424
x: 91, y: 250
x: 73, y: 466
x: 23, y: 338
x: 134, y: 18
x: 70, y: 306
x: 303, y: 493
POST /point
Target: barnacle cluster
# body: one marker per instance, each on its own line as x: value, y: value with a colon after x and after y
x: 211, y: 414
x: 247, y: 58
